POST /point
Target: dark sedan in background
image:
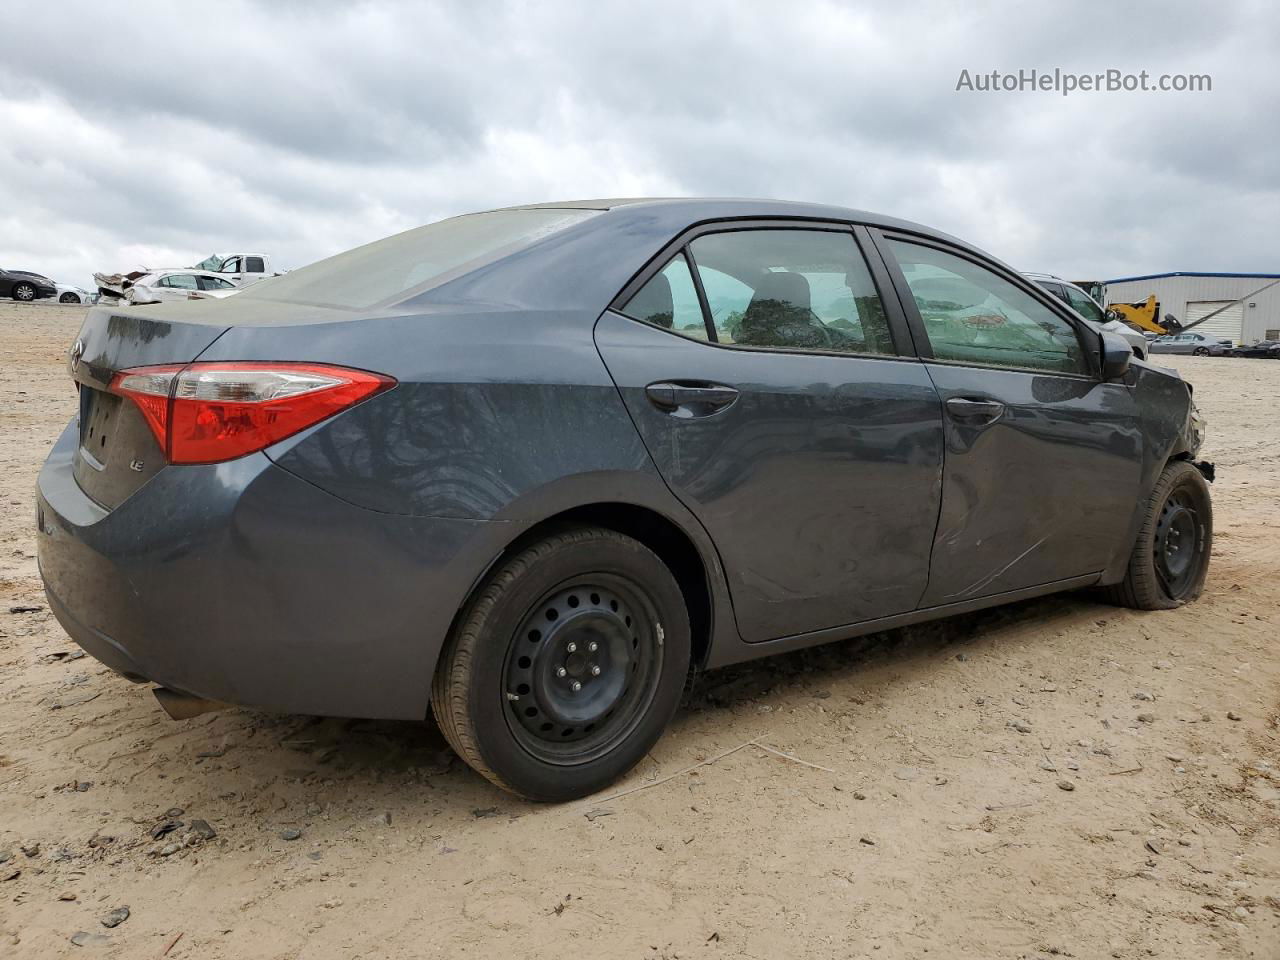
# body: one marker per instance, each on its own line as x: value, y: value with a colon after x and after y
x: 1263, y: 349
x: 528, y: 468
x: 25, y: 286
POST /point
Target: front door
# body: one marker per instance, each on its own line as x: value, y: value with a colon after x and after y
x: 1042, y: 464
x: 762, y: 371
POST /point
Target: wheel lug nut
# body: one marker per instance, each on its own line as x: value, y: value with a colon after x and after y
x: 571, y: 647
x: 595, y: 670
x: 576, y: 686
x: 561, y: 672
x: 593, y: 646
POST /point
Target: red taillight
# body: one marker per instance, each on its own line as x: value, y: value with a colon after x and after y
x: 210, y: 412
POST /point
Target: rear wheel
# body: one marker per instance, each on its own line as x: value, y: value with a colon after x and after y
x: 1171, y: 557
x: 566, y: 665
x: 24, y: 292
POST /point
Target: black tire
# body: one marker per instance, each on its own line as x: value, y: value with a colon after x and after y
x: 502, y: 692
x: 25, y: 292
x: 1201, y: 351
x: 1170, y: 559
x: 69, y: 297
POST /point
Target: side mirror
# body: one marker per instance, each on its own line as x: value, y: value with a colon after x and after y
x: 1116, y: 354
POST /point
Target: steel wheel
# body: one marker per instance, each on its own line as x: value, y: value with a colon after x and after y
x: 582, y: 669
x: 566, y: 664
x: 1179, y: 544
x: 1170, y: 560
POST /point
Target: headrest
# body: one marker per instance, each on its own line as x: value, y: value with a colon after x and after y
x: 790, y: 288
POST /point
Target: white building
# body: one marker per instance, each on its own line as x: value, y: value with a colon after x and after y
x: 1190, y: 296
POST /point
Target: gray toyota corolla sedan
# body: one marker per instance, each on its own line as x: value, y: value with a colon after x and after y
x: 528, y: 468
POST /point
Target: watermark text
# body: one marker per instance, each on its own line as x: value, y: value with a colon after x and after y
x: 1066, y: 83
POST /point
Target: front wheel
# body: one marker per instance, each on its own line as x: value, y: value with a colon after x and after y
x: 566, y: 666
x: 69, y: 297
x: 1171, y: 557
x: 24, y: 292
x: 1201, y: 351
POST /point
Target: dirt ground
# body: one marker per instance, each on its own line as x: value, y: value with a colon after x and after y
x: 1138, y: 817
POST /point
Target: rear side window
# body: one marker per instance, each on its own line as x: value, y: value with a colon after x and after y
x: 393, y: 269
x: 254, y: 265
x: 973, y: 315
x: 670, y: 300
x: 184, y: 281
x: 804, y: 290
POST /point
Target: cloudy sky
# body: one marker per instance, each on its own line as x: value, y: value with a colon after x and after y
x: 131, y: 133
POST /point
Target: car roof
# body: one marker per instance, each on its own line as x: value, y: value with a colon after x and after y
x: 727, y: 208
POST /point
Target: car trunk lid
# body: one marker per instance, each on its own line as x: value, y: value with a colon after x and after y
x: 117, y: 452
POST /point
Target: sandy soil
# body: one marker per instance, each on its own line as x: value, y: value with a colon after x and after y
x: 937, y: 829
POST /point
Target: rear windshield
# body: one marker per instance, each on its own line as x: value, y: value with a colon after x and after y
x: 389, y: 270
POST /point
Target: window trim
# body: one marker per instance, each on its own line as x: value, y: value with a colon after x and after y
x: 1089, y: 340
x: 862, y: 243
x: 697, y: 287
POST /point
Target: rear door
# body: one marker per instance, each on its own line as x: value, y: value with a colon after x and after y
x: 176, y: 286
x: 778, y: 398
x: 1042, y: 457
x: 254, y: 270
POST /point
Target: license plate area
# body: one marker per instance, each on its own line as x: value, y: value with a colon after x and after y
x: 118, y: 452
x: 99, y: 417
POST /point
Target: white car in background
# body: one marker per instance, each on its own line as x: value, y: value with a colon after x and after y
x: 1091, y: 310
x: 69, y: 294
x: 167, y: 285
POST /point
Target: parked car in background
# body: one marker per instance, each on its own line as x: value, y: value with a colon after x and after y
x: 70, y: 294
x: 236, y: 270
x: 242, y: 269
x: 1198, y: 344
x: 527, y: 468
x: 176, y: 285
x: 1080, y: 301
x: 25, y: 286
x: 1263, y: 349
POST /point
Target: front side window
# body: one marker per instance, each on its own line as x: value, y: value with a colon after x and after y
x: 1083, y: 304
x: 670, y: 300
x: 214, y: 283
x: 791, y: 290
x: 231, y: 266
x: 1057, y: 289
x: 973, y: 315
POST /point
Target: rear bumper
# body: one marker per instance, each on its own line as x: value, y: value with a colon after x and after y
x: 243, y: 583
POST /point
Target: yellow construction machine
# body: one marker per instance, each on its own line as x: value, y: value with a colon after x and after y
x: 1143, y: 316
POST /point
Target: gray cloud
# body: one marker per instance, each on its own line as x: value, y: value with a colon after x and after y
x: 162, y: 134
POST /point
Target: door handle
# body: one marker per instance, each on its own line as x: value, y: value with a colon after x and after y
x: 982, y: 411
x: 690, y: 399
